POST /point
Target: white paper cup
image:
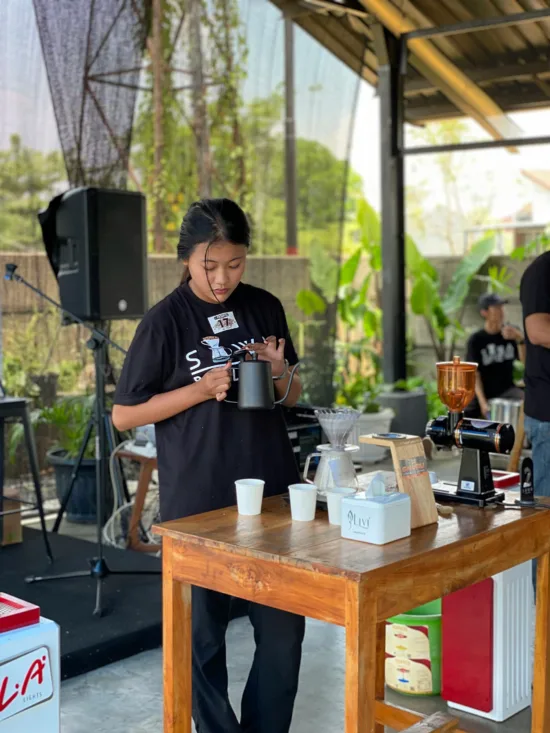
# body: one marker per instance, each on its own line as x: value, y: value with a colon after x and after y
x: 250, y: 492
x: 334, y: 501
x: 303, y: 502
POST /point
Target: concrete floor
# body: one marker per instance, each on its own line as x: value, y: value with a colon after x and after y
x: 126, y: 697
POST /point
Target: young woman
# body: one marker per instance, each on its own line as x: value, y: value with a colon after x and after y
x: 178, y: 375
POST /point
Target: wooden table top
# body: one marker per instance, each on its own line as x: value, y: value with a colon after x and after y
x: 318, y: 546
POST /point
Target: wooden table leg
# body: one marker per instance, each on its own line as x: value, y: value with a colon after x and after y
x: 541, y: 673
x: 362, y: 669
x: 176, y: 646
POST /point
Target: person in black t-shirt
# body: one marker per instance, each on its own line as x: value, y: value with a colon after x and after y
x: 178, y: 374
x: 535, y: 299
x: 494, y: 348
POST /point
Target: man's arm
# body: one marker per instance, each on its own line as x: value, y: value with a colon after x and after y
x: 537, y: 326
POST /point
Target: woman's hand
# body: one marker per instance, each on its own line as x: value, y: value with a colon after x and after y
x: 215, y: 383
x: 271, y: 351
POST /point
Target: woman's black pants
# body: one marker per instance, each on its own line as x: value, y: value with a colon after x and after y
x: 268, y: 698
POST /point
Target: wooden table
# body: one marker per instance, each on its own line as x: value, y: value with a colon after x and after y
x: 308, y: 569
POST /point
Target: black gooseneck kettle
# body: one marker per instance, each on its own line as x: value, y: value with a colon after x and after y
x: 256, y: 391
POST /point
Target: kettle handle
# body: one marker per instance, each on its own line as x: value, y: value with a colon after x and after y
x: 306, y: 467
x: 289, y: 385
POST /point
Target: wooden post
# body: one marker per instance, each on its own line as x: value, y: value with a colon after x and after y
x: 515, y: 455
x: 290, y: 143
x: 157, y: 62
x: 200, y: 115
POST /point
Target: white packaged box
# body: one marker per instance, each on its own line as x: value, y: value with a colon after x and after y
x: 30, y: 679
x: 376, y: 519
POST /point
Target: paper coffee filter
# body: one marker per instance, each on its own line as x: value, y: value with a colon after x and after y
x: 337, y: 423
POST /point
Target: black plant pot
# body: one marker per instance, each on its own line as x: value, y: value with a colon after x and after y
x: 411, y: 411
x: 82, y: 506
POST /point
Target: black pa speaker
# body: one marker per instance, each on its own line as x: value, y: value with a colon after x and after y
x: 97, y: 245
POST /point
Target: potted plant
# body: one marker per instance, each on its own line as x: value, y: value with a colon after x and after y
x: 69, y: 418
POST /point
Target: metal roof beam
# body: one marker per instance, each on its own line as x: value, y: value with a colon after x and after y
x: 440, y: 109
x: 479, y: 24
x: 494, y: 73
x: 458, y: 87
x: 481, y: 145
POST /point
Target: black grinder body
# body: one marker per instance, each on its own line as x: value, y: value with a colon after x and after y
x: 476, y: 438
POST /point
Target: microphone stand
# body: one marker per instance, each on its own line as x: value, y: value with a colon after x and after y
x: 97, y: 343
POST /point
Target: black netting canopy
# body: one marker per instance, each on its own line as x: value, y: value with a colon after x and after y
x: 78, y: 76
x: 93, y: 53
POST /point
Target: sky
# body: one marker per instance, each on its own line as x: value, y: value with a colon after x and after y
x: 326, y: 92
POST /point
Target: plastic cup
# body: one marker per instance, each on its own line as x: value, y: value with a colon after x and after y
x: 303, y: 502
x: 250, y: 492
x: 334, y: 501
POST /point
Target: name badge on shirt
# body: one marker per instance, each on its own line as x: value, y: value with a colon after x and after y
x: 223, y: 322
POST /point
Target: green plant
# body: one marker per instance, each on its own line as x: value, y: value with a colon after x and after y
x: 443, y: 311
x: 519, y: 371
x: 69, y: 417
x: 359, y: 296
x: 540, y: 242
x: 497, y: 279
x: 69, y: 372
x: 16, y: 378
x: 359, y: 392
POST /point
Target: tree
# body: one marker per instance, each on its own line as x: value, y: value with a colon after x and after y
x: 253, y: 173
x: 28, y: 180
x: 194, y: 127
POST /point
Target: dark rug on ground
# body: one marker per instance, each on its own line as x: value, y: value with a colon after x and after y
x: 132, y: 603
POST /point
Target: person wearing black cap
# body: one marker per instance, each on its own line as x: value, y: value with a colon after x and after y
x: 494, y: 348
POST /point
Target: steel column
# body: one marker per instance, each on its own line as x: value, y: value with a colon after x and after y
x: 390, y: 90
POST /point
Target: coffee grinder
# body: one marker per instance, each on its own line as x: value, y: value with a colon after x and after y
x: 456, y: 382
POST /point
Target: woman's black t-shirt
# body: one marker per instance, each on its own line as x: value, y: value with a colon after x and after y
x: 204, y: 450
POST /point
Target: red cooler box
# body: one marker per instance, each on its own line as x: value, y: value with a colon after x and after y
x: 487, y: 635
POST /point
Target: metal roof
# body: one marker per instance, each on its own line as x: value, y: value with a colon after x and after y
x: 455, y: 67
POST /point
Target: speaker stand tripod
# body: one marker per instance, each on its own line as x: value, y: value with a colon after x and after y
x: 98, y: 565
x: 99, y: 570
